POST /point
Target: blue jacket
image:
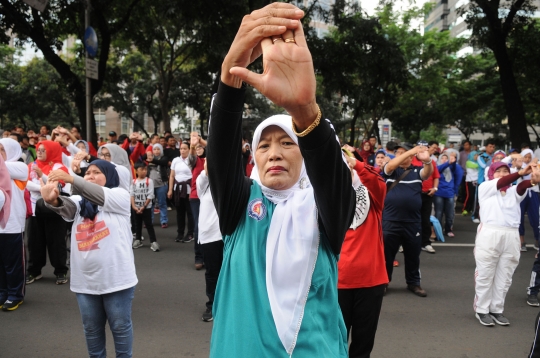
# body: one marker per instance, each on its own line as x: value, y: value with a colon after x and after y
x: 451, y: 188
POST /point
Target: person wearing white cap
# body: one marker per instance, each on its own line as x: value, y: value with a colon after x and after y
x: 496, y: 249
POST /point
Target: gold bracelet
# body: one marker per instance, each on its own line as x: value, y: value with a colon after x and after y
x: 311, y: 127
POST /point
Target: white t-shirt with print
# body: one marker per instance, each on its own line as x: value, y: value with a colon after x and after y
x: 498, y: 209
x: 208, y: 217
x: 18, y: 172
x: 101, y: 255
x: 141, y: 190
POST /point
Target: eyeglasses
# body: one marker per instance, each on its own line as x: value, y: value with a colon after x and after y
x: 41, y: 150
x: 105, y: 155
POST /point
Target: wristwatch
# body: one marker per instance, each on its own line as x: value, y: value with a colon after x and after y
x: 427, y: 163
x: 436, y: 189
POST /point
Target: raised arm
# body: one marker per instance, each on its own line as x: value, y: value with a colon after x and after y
x: 228, y: 183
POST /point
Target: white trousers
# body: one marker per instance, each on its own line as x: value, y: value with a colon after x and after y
x: 496, y: 252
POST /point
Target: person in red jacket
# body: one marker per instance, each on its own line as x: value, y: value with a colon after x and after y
x: 134, y: 147
x: 362, y: 276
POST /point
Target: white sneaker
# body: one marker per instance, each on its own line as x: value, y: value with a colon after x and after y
x: 401, y: 249
x: 429, y: 249
x: 476, y: 221
x: 154, y: 246
x: 137, y: 244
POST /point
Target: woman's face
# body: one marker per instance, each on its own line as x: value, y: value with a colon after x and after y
x: 105, y: 154
x: 498, y: 158
x: 41, y: 153
x: 94, y: 175
x: 3, y: 152
x: 156, y: 151
x: 501, y: 172
x: 443, y: 159
x: 81, y: 146
x: 199, y: 150
x: 278, y: 159
x: 184, y: 150
x: 367, y: 146
x: 527, y: 158
x: 379, y: 159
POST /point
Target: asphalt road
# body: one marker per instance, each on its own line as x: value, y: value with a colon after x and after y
x: 169, y: 301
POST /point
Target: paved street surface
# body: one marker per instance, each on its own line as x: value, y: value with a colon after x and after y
x: 169, y: 301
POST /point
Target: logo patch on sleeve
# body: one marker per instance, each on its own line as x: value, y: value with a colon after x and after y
x: 256, y: 209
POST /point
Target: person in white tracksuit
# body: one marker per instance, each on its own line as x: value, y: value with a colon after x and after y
x: 497, y: 246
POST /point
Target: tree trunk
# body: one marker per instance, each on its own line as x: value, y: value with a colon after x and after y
x: 512, y: 99
x: 353, y: 123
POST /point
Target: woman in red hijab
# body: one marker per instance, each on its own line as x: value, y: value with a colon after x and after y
x: 365, y: 150
x: 46, y: 229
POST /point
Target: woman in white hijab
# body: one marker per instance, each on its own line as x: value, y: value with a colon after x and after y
x: 12, y: 270
x: 283, y: 228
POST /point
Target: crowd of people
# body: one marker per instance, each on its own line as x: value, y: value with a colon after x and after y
x: 307, y: 248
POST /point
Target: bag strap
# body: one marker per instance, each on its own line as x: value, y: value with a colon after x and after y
x: 402, y: 176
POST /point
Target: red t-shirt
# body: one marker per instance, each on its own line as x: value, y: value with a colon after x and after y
x: 428, y: 183
x: 199, y: 167
x: 361, y: 262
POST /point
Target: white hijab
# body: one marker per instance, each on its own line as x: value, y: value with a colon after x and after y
x: 118, y: 157
x: 292, y: 244
x: 12, y: 148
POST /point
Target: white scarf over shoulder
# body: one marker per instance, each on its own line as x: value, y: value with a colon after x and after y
x: 292, y: 244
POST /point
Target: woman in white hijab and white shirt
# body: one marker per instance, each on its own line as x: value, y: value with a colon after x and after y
x: 283, y: 229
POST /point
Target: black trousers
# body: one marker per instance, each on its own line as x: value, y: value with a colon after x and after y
x: 195, y: 208
x: 213, y: 258
x: 425, y: 213
x: 535, y: 348
x: 361, y: 308
x: 146, y: 218
x: 46, y: 234
x: 406, y: 234
x: 182, y: 209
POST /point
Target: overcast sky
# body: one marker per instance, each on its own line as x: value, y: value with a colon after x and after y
x: 370, y: 5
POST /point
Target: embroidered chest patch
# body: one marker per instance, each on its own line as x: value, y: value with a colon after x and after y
x: 256, y: 209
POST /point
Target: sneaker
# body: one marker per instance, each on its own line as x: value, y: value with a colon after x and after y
x: 484, y: 319
x: 450, y: 234
x: 429, y: 248
x: 164, y: 225
x: 137, y: 244
x: 30, y: 279
x: 476, y: 221
x: 532, y: 300
x: 11, y: 305
x: 198, y: 266
x: 154, y: 246
x: 523, y: 248
x: 464, y: 213
x: 395, y: 263
x: 187, y: 238
x: 142, y: 238
x: 61, y: 279
x: 417, y: 290
x: 535, y: 245
x: 178, y: 238
x: 169, y: 208
x: 156, y: 211
x: 400, y: 249
x: 207, y: 315
x: 500, y: 319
